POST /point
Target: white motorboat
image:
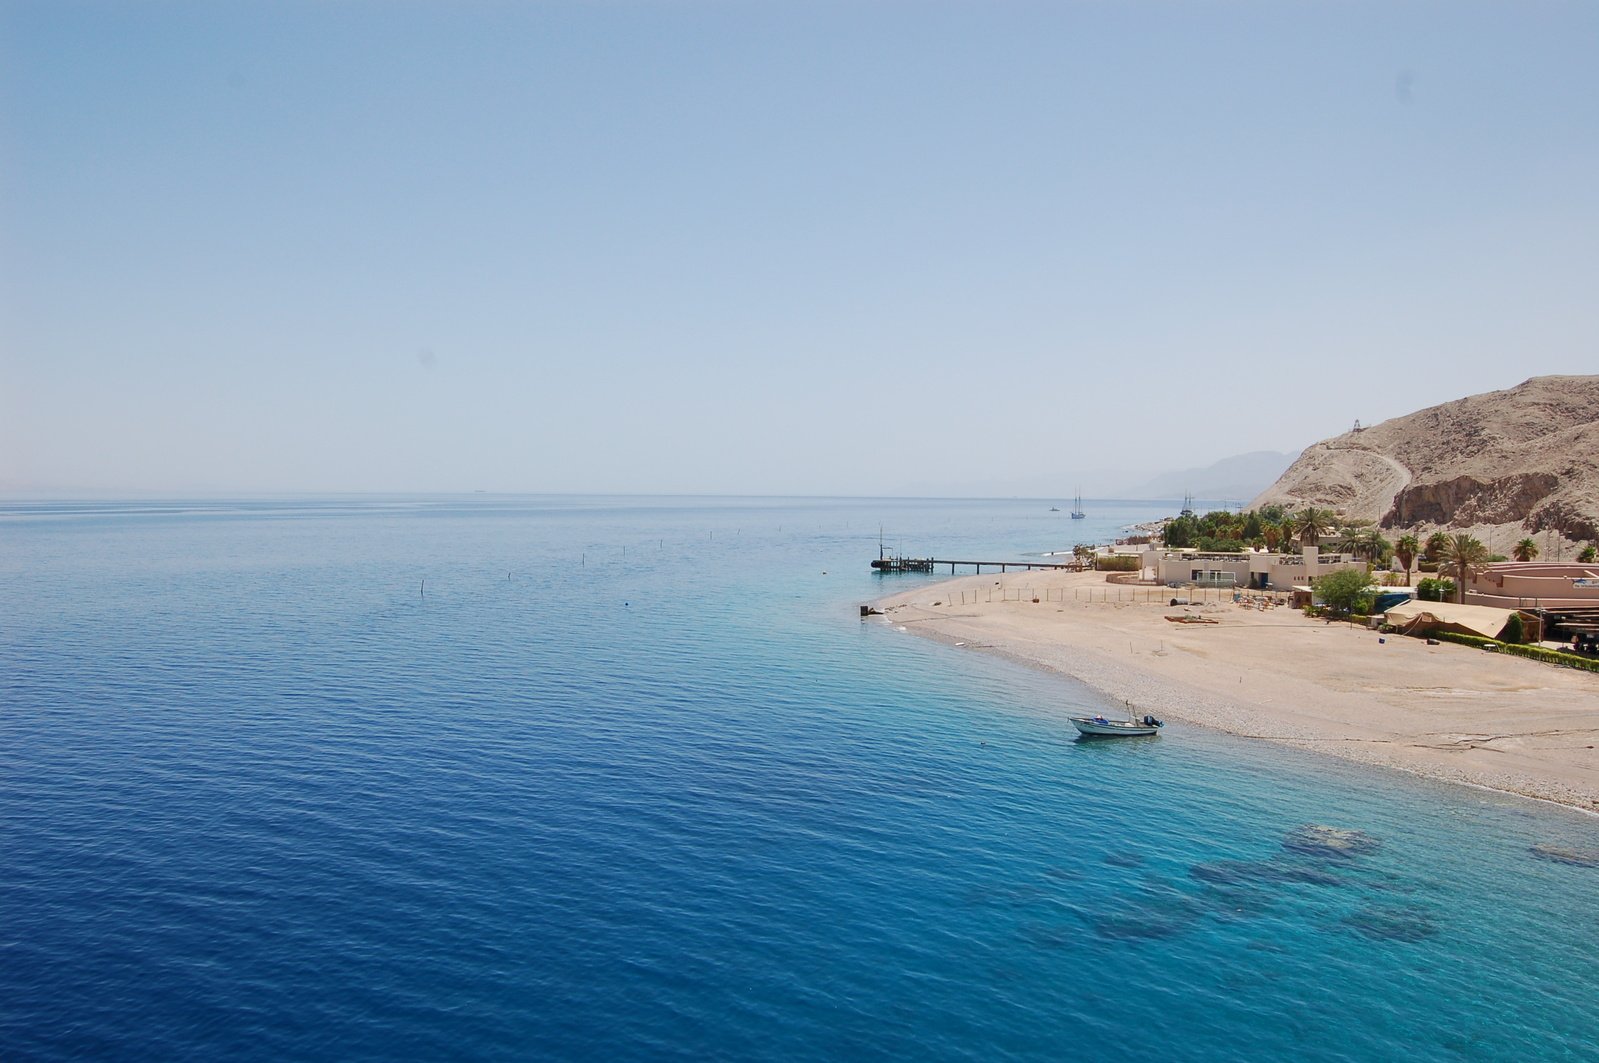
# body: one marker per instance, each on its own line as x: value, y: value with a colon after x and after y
x: 1101, y: 727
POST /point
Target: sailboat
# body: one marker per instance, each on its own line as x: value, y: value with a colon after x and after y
x: 1077, y: 506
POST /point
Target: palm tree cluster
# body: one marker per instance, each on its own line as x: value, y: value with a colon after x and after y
x: 1275, y: 528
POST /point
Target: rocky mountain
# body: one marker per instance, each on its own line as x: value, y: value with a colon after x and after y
x: 1504, y: 464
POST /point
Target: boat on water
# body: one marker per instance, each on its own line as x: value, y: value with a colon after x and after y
x: 1077, y: 507
x: 1101, y: 727
x: 903, y: 564
x: 887, y: 562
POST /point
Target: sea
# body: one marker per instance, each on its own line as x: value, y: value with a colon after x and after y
x: 610, y: 778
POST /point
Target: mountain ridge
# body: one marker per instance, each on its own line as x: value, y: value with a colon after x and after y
x: 1518, y: 461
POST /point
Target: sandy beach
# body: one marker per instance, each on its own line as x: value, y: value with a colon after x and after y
x: 1447, y: 711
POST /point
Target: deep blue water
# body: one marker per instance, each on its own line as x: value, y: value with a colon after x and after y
x: 618, y: 779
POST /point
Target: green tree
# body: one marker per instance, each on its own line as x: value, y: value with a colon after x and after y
x: 1406, y: 549
x: 1525, y: 550
x: 1252, y: 526
x: 1285, y: 535
x: 1435, y: 590
x: 1220, y: 524
x: 1345, y: 591
x: 1465, y: 554
x: 1365, y: 541
x: 1435, y: 547
x: 1515, y: 631
x: 1180, y: 531
x: 1310, y: 524
x: 1349, y: 539
x: 1382, y: 551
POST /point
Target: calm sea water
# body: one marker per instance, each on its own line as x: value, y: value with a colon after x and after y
x: 620, y: 779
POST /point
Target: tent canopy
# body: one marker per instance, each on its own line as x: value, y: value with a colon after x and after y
x: 1467, y: 619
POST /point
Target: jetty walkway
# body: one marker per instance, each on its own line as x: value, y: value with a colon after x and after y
x: 929, y: 564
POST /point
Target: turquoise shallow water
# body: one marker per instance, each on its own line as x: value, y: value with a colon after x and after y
x: 632, y: 781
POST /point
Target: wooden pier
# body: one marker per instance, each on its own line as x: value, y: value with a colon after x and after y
x: 931, y: 564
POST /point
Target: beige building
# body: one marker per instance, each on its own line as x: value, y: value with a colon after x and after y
x: 1249, y: 569
x: 1534, y: 585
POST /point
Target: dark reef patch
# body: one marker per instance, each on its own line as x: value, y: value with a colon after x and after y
x: 1574, y: 857
x: 1263, y: 872
x: 1337, y: 843
x: 1156, y: 908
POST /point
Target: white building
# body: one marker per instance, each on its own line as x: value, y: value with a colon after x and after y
x: 1251, y: 569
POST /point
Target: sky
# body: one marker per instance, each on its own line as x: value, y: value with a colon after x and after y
x: 772, y: 248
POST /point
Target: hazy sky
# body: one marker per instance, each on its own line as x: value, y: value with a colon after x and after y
x: 772, y: 247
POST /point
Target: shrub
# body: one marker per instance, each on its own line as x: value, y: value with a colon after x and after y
x: 1117, y: 563
x: 1537, y: 653
x: 1435, y: 590
x: 1345, y: 591
x: 1515, y: 631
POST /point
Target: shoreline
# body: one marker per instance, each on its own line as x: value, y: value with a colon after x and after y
x: 1447, y: 712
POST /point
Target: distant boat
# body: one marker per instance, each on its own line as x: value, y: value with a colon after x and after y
x: 903, y: 564
x: 1054, y: 509
x: 1077, y: 507
x: 1100, y: 727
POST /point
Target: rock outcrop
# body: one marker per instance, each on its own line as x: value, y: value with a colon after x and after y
x: 1505, y: 464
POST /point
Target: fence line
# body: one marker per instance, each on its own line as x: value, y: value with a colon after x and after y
x: 1196, y: 595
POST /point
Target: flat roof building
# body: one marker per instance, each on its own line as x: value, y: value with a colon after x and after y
x: 1251, y: 569
x: 1533, y: 585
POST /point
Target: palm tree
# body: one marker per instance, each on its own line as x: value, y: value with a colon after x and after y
x: 1352, y: 539
x: 1525, y: 550
x: 1465, y: 554
x: 1310, y: 522
x: 1285, y: 535
x: 1364, y: 541
x: 1378, y: 549
x: 1435, y: 546
x: 1406, y: 549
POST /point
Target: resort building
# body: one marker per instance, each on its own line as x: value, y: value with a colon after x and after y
x: 1251, y: 569
x: 1534, y: 585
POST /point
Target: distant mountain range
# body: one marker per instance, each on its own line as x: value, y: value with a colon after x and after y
x: 1239, y: 477
x: 1233, y: 479
x: 1503, y: 464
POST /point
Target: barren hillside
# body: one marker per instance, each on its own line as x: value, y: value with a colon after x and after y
x: 1506, y: 464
